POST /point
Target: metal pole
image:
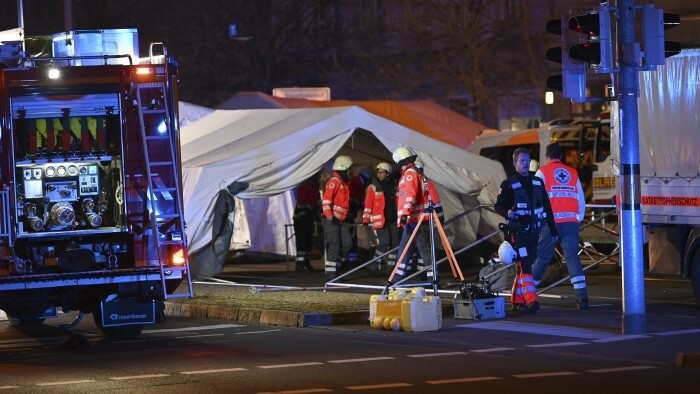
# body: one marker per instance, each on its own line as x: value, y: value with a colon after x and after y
x: 632, y: 257
x: 20, y: 14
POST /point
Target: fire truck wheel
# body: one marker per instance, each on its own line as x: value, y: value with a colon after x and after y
x: 118, y: 333
x: 15, y: 322
x: 695, y: 275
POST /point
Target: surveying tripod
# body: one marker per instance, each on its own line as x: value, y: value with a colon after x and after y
x: 434, y: 222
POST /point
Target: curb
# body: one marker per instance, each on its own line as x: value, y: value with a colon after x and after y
x: 264, y: 316
x: 273, y: 317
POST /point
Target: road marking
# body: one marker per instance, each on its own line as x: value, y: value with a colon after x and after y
x: 679, y: 332
x: 621, y: 338
x: 8, y: 387
x: 158, y: 375
x: 560, y: 344
x: 66, y: 382
x: 289, y: 365
x: 621, y: 369
x: 544, y: 374
x: 379, y: 386
x: 213, y: 371
x: 437, y: 354
x: 542, y: 329
x: 200, y: 336
x: 256, y: 332
x: 359, y: 360
x: 304, y: 391
x: 212, y: 327
x: 493, y: 349
x: 463, y: 380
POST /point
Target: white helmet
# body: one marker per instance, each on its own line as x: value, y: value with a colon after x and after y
x: 506, y: 253
x: 401, y: 153
x: 384, y: 166
x: 342, y: 163
x: 419, y: 164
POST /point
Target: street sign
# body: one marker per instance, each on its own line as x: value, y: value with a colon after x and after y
x: 314, y: 94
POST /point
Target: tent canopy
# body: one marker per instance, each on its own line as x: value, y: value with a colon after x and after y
x: 424, y: 116
x: 273, y: 150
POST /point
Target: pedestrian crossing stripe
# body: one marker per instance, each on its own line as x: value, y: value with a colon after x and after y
x: 541, y: 329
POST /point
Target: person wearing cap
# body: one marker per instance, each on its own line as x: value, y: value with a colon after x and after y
x: 568, y: 200
x: 380, y: 213
x: 335, y: 203
x: 412, y: 197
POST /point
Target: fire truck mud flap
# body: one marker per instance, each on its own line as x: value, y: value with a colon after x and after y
x: 124, y: 318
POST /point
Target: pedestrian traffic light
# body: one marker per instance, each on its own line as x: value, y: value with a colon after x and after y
x: 595, y: 46
x: 572, y: 81
x: 656, y: 49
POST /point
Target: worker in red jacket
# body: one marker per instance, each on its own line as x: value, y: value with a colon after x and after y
x: 434, y: 198
x: 308, y: 201
x: 412, y: 195
x: 336, y: 208
x: 380, y: 213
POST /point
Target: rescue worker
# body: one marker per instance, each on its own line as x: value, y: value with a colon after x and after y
x: 412, y: 195
x: 336, y: 208
x: 437, y: 206
x: 380, y: 213
x: 308, y: 199
x: 569, y: 206
x: 523, y: 202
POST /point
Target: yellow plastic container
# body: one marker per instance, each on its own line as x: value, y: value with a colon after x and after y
x: 385, y: 309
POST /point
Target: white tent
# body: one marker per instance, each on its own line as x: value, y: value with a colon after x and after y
x: 273, y: 150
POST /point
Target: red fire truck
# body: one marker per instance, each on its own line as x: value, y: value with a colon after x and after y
x: 91, y: 212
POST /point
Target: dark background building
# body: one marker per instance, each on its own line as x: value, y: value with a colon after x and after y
x: 482, y: 58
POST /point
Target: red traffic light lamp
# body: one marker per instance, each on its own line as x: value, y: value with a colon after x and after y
x: 572, y: 81
x: 595, y: 49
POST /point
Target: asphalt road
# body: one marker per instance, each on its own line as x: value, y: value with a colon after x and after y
x: 559, y: 349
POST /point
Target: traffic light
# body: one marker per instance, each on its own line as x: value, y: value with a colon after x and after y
x: 656, y: 49
x: 595, y: 47
x: 572, y: 81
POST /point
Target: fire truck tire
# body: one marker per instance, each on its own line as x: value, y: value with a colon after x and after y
x: 695, y: 275
x: 118, y: 333
x: 15, y: 322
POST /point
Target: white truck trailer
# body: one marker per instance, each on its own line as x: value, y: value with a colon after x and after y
x: 669, y: 141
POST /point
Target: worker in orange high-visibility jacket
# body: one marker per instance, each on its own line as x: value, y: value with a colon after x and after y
x: 523, y: 201
x: 380, y: 213
x: 569, y: 206
x: 336, y: 208
x: 412, y: 197
x: 308, y: 201
x: 434, y: 198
